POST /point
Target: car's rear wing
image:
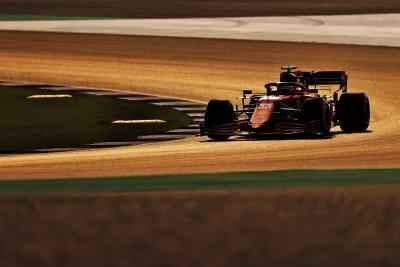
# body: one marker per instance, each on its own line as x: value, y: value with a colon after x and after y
x: 326, y: 78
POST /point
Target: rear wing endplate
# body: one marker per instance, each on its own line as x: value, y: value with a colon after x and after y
x: 326, y: 78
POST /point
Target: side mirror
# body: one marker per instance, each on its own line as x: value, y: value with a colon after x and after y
x: 247, y: 92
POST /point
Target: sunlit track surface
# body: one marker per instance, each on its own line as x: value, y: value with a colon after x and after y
x: 201, y: 69
x: 195, y: 110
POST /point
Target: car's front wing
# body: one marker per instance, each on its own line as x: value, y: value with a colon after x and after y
x: 282, y: 128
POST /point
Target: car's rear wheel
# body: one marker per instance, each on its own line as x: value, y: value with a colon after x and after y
x: 317, y: 109
x: 219, y: 112
x: 353, y: 112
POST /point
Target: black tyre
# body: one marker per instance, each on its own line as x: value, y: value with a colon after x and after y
x: 353, y: 112
x: 317, y: 109
x: 219, y: 112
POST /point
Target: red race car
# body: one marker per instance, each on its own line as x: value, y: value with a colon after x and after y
x: 301, y: 103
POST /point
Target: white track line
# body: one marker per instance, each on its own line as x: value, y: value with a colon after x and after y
x: 62, y: 88
x: 197, y: 120
x: 193, y: 126
x: 57, y: 149
x: 371, y: 29
x: 195, y: 114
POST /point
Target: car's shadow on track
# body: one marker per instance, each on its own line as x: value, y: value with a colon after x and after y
x: 285, y: 137
x: 332, y: 134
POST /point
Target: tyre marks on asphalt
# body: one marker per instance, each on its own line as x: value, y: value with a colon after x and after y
x: 195, y: 110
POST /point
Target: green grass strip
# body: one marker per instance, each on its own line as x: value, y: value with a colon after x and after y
x: 15, y: 17
x: 240, y: 180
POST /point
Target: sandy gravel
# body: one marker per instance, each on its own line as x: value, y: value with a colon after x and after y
x: 202, y: 69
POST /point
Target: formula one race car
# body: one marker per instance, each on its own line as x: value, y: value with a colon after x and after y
x: 295, y: 105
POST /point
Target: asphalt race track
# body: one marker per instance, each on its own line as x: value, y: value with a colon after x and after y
x: 201, y: 69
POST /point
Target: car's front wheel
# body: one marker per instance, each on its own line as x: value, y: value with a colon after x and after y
x: 219, y: 112
x: 317, y: 109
